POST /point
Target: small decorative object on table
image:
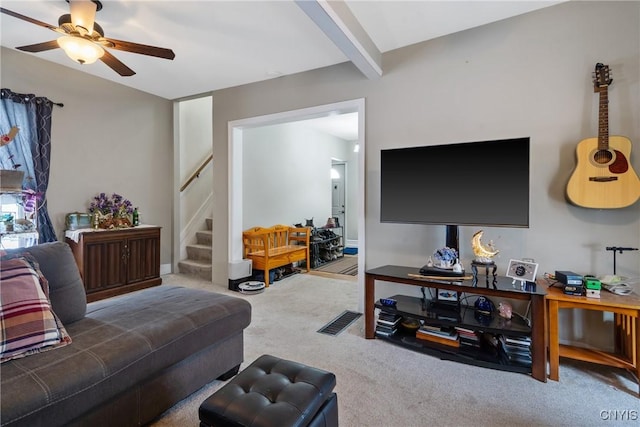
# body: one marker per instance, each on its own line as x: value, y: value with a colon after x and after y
x: 484, y: 306
x: 410, y: 324
x: 7, y: 219
x: 484, y: 310
x: 483, y: 254
x: 505, y: 310
x: 446, y: 264
x: 111, y: 211
x: 77, y: 221
x: 446, y: 257
x: 524, y: 272
x: 388, y: 302
x: 484, y: 259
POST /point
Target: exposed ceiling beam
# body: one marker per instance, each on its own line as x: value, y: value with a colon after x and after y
x: 337, y: 21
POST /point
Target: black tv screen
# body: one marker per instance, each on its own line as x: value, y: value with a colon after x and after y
x: 483, y: 183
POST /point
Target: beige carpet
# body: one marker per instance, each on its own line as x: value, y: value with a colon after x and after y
x: 379, y: 384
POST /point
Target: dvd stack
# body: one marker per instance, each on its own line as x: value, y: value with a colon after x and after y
x: 517, y: 349
x: 387, y: 323
x: 441, y: 335
x: 468, y: 337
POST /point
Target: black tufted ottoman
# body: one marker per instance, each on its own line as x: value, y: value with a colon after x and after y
x: 273, y: 392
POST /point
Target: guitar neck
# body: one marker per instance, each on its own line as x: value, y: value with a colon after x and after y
x: 603, y: 119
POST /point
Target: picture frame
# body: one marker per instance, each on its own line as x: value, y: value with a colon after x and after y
x: 524, y: 271
x: 444, y: 296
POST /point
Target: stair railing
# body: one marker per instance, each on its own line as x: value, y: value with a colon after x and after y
x: 196, y: 174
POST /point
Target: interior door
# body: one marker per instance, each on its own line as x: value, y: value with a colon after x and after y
x: 338, y: 206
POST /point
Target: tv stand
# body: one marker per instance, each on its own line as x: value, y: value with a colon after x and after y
x: 414, y: 307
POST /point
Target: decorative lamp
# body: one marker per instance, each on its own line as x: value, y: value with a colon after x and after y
x: 483, y: 253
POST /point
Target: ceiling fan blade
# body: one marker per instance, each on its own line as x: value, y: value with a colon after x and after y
x: 116, y: 65
x: 40, y: 47
x: 141, y: 49
x: 26, y: 18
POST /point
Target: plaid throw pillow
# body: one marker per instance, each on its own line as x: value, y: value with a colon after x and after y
x: 27, y: 323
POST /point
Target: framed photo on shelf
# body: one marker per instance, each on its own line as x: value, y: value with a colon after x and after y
x: 444, y: 296
x: 522, y: 270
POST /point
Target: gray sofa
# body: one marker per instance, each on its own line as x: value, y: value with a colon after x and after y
x: 132, y: 356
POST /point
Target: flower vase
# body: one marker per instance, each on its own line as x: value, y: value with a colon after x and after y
x: 457, y: 267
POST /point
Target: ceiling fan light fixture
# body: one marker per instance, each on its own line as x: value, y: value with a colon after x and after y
x: 84, y: 41
x: 83, y: 13
x: 80, y: 50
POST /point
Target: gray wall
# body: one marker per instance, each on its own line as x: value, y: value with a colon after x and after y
x: 286, y: 174
x: 193, y: 147
x: 107, y: 138
x: 525, y: 76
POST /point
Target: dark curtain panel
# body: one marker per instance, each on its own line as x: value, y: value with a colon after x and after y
x: 33, y: 116
x: 41, y: 151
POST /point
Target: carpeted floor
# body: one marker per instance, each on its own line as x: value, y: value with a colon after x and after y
x: 382, y: 385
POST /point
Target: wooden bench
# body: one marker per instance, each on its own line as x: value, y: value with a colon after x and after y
x: 276, y: 246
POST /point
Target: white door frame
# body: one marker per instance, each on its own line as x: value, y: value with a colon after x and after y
x: 235, y: 129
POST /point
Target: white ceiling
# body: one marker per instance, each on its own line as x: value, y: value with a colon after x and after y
x: 344, y: 126
x: 221, y: 44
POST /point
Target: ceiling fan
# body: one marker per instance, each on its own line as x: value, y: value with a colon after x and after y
x: 83, y: 39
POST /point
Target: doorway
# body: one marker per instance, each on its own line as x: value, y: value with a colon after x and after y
x: 338, y: 198
x: 235, y: 202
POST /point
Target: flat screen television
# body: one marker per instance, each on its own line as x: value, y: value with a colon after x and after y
x: 483, y: 183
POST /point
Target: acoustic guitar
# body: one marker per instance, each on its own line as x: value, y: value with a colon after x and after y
x: 603, y: 177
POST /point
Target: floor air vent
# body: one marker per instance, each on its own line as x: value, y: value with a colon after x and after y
x: 340, y: 323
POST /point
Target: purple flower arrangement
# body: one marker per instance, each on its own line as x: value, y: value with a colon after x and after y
x: 114, y: 205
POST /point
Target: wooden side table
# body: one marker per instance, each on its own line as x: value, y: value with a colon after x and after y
x: 626, y: 330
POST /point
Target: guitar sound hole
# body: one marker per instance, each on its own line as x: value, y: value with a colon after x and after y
x: 603, y: 157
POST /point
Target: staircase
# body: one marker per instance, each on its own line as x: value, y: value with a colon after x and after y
x: 198, y: 262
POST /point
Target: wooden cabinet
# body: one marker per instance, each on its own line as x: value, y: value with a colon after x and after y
x: 115, y: 262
